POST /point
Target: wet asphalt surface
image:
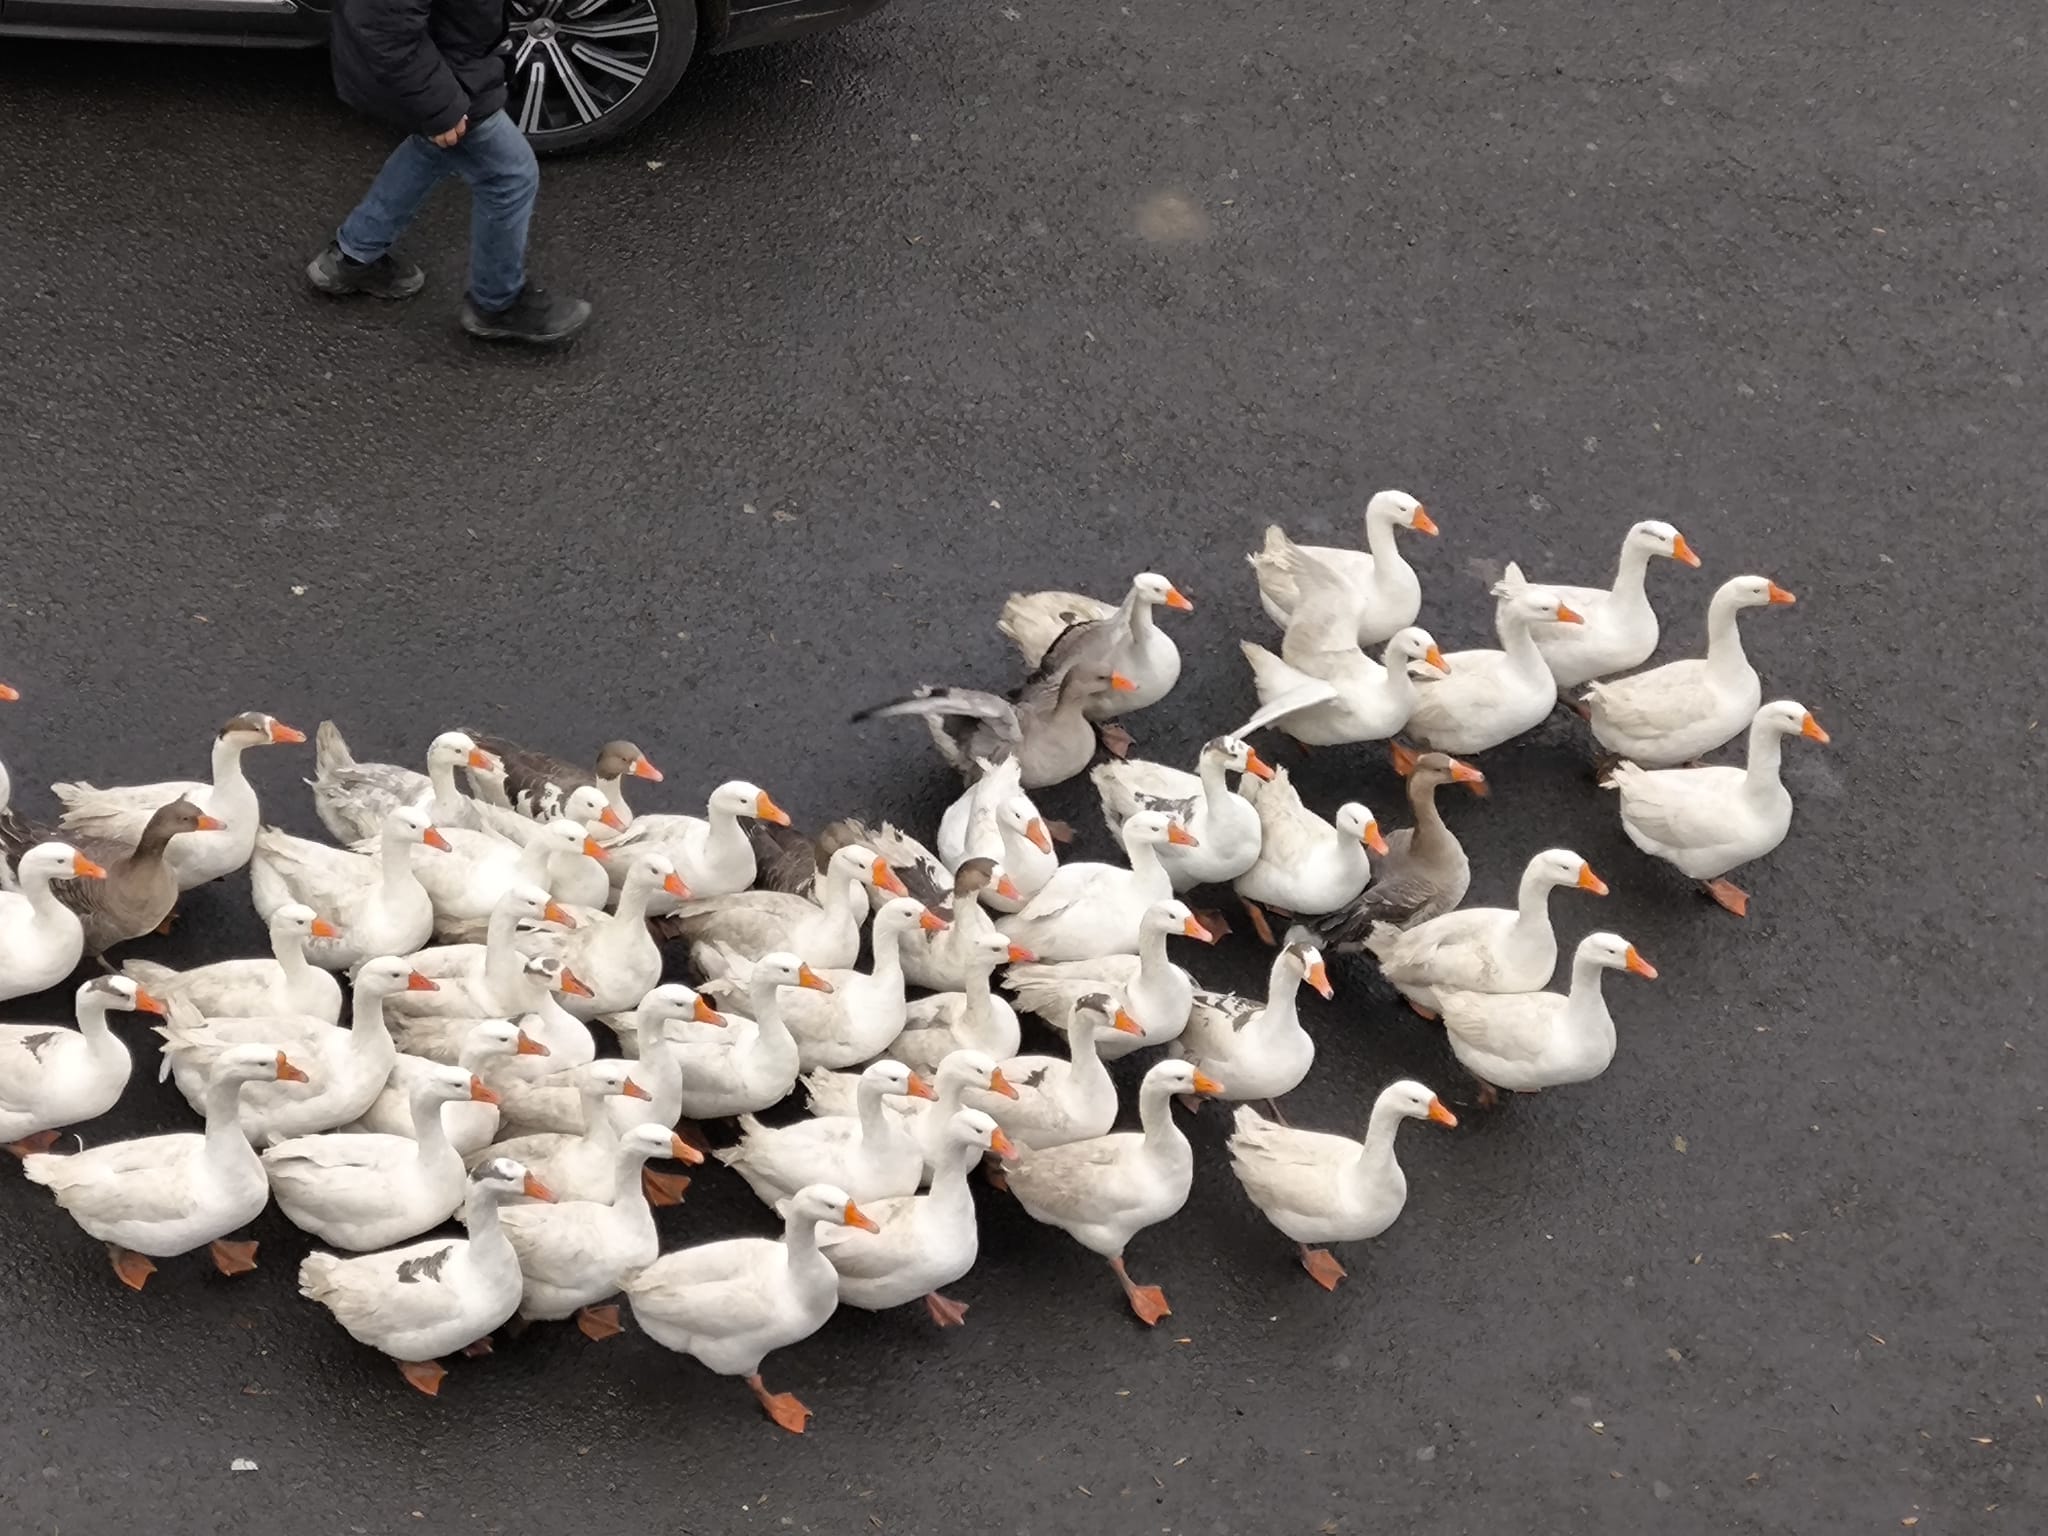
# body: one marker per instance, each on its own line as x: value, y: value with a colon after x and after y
x: 969, y: 298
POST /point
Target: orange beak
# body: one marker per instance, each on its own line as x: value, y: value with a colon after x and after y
x: 1435, y: 658
x: 643, y: 769
x: 612, y: 819
x: 207, y: 823
x: 1007, y: 889
x: 593, y: 849
x: 283, y: 735
x: 415, y: 982
x: 323, y: 929
x: 931, y: 922
x: 574, y: 985
x: 144, y: 1003
x: 528, y: 1046
x: 1001, y: 1145
x: 1040, y: 838
x: 852, y: 1217
x: 1567, y: 616
x: 1176, y: 599
x: 1121, y: 683
x: 85, y: 869
x: 1019, y: 955
x: 1422, y: 522
x: 885, y: 879
x: 997, y: 1083
x: 633, y: 1090
x: 1256, y: 765
x: 919, y: 1088
x: 1588, y: 881
x: 482, y: 761
x: 675, y: 887
x: 1465, y: 773
x: 1810, y: 727
x: 1680, y: 550
x: 683, y: 1152
x: 806, y: 977
x: 1124, y: 1024
x: 479, y: 1094
x: 433, y: 839
x: 1372, y: 839
x: 1207, y: 1086
x: 8, y: 695
x: 287, y: 1072
x: 706, y: 1014
x: 1319, y: 977
x: 1194, y: 930
x: 1440, y: 1114
x: 767, y: 810
x: 535, y: 1190
x: 1179, y: 836
x: 1640, y: 966
x: 1780, y: 595
x: 554, y: 912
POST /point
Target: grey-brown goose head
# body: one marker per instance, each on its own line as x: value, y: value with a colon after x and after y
x: 168, y: 821
x: 621, y: 759
x: 977, y: 875
x: 1088, y: 681
x: 1429, y: 771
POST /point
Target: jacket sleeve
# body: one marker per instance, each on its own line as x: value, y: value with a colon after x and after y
x: 399, y: 49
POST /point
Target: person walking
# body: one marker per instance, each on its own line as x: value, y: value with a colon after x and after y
x: 438, y: 69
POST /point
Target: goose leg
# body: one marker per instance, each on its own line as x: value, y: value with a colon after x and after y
x: 424, y: 1374
x: 1148, y: 1301
x: 1060, y: 831
x: 1215, y: 922
x: 233, y: 1258
x: 1489, y: 1095
x: 42, y: 1141
x: 997, y: 1179
x: 1116, y: 741
x: 481, y: 1347
x: 693, y: 1134
x: 945, y: 1311
x: 1732, y: 897
x: 782, y: 1407
x: 132, y: 1267
x: 663, y: 1189
x: 1427, y: 1013
x: 1273, y: 1109
x: 1260, y: 926
x: 599, y: 1322
x: 1322, y: 1267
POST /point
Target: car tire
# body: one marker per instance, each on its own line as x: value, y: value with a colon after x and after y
x: 599, y: 66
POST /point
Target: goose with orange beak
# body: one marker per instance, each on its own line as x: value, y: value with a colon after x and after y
x: 976, y: 1017
x: 922, y: 1243
x: 752, y: 1064
x: 1484, y: 949
x: 41, y: 939
x: 1050, y: 1100
x: 577, y: 1165
x: 1529, y: 1041
x: 1424, y: 871
x: 1222, y: 822
x: 838, y: 1093
x: 871, y: 1153
x: 1307, y: 865
x: 1324, y: 691
x: 432, y: 1298
x: 56, y: 1076
x: 1259, y: 1048
x: 713, y: 852
x: 1318, y: 1188
x: 614, y: 953
x: 1126, y: 635
x: 1086, y: 910
x: 286, y: 983
x: 537, y: 784
x: 1148, y: 986
x: 161, y: 1196
x: 730, y: 1304
x: 994, y: 819
x: 824, y: 934
x: 1479, y: 699
x: 1620, y: 628
x: 1104, y: 1191
x: 465, y: 880
x: 1707, y: 821
x: 372, y: 894
x: 1675, y: 713
x: 1380, y: 588
x: 471, y: 1124
x: 1043, y: 722
x: 136, y: 889
x: 352, y: 798
x: 116, y: 817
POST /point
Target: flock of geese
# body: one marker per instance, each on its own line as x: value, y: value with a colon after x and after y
x: 487, y: 911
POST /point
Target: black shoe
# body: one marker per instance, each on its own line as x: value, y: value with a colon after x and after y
x: 339, y: 276
x: 536, y: 317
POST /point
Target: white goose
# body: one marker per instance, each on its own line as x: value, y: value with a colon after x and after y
x: 613, y: 954
x: 753, y: 1065
x: 418, y: 1303
x: 870, y: 1152
x: 374, y: 898
x: 939, y: 959
x: 52, y: 1077
x: 471, y: 1125
x: 552, y: 1102
x: 1318, y: 1188
x: 711, y: 853
x: 1142, y: 651
x: 1053, y: 1101
x: 729, y: 1304
x: 1528, y: 1041
x: 1479, y: 699
x: 1674, y: 713
x: 1086, y: 910
x: 352, y: 799
x: 165, y: 1195
x: 1706, y: 821
x: 287, y: 983
x: 563, y: 1040
x: 1258, y: 1048
x: 1306, y: 865
x: 1223, y: 824
x: 923, y: 1242
x: 117, y: 816
x: 41, y: 939
x: 1148, y: 986
x: 994, y: 819
x: 1484, y: 949
x: 577, y: 880
x: 487, y: 978
x: 1384, y: 586
x: 824, y: 934
x: 974, y: 1018
x: 838, y: 1093
x: 1105, y: 1191
x: 578, y: 1166
x: 575, y: 1253
x: 1620, y: 628
x: 363, y: 1190
x: 466, y: 881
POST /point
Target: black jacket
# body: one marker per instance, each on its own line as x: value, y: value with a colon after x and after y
x: 423, y: 64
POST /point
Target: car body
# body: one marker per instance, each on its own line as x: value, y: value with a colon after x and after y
x: 582, y: 71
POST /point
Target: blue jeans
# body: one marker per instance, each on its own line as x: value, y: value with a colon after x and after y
x: 497, y: 162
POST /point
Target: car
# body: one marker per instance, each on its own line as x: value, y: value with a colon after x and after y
x: 582, y: 71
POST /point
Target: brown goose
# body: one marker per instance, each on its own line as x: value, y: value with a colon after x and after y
x: 536, y: 784
x: 1424, y: 871
x: 140, y: 887
x: 1043, y: 722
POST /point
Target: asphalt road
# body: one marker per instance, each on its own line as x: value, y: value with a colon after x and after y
x: 974, y: 297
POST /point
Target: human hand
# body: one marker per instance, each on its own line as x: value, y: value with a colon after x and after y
x: 454, y: 135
